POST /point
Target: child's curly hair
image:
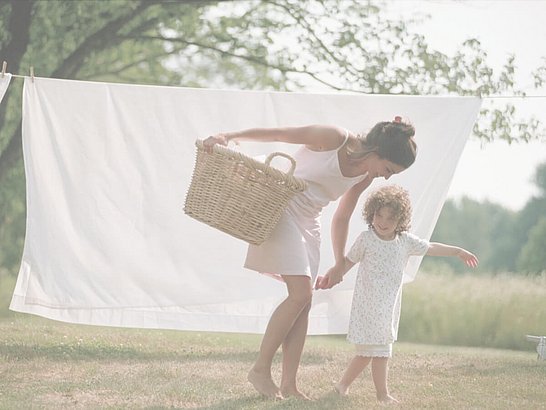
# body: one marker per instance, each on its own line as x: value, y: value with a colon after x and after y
x: 394, y: 197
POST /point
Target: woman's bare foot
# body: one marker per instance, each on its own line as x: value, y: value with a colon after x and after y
x: 264, y: 384
x: 294, y: 392
x: 387, y: 399
x: 341, y: 389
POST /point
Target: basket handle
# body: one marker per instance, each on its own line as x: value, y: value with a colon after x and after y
x: 282, y: 154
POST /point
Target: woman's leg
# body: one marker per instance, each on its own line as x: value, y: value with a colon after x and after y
x: 380, y: 367
x: 292, y: 348
x: 356, y: 366
x: 281, y: 322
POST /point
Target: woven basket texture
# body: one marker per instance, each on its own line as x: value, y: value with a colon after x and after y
x: 239, y: 195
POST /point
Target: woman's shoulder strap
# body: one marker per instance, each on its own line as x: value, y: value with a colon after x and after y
x: 345, y: 139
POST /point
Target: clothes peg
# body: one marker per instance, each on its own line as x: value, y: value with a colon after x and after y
x: 32, y: 73
x: 4, y: 67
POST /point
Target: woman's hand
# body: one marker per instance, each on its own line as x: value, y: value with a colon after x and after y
x: 211, y: 141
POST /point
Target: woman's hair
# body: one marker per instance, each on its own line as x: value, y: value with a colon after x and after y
x: 396, y: 198
x: 391, y: 140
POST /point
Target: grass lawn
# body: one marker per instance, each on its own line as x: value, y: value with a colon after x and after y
x: 47, y: 364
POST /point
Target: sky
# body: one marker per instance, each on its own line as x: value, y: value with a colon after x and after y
x: 498, y: 172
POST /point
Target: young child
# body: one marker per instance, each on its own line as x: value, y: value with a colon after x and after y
x: 382, y: 252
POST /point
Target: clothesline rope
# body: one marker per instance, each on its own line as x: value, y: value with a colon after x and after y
x: 488, y: 97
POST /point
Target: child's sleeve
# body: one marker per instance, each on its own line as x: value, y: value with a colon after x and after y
x: 357, y: 250
x: 416, y: 246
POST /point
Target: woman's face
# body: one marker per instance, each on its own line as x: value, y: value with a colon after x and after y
x: 381, y: 167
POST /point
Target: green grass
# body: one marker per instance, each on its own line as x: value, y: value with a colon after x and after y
x: 47, y: 364
x: 53, y: 365
x: 7, y: 284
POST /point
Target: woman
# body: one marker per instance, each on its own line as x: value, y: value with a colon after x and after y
x: 335, y: 163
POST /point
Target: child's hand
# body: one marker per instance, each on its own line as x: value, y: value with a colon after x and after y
x: 332, y: 278
x: 441, y: 249
x: 468, y: 258
x: 319, y: 282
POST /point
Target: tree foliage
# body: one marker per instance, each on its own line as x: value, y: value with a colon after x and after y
x: 532, y: 258
x: 255, y: 44
x: 480, y: 227
x: 505, y: 241
x: 532, y: 228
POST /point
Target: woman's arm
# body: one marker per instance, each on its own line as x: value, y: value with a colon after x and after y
x: 441, y: 249
x: 315, y: 137
x: 340, y: 221
x: 339, y: 232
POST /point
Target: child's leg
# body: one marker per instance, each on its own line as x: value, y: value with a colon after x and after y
x: 356, y: 366
x: 379, y: 375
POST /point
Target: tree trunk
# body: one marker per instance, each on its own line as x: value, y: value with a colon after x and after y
x: 104, y: 37
x: 19, y: 30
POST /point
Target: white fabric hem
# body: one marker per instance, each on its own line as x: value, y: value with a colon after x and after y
x: 261, y: 271
x: 374, y: 350
x: 374, y: 355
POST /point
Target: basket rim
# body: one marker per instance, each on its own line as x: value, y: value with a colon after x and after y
x: 296, y: 184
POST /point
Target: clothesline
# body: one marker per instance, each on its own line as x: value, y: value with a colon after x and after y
x: 488, y: 97
x: 18, y: 76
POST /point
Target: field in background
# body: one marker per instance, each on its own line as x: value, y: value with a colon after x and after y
x: 474, y: 310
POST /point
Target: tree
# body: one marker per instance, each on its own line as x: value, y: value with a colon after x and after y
x: 540, y: 179
x: 267, y: 44
x: 531, y: 232
x: 482, y: 228
x: 532, y: 258
x: 505, y: 241
x: 346, y: 45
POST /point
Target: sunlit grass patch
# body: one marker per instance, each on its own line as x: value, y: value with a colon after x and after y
x: 47, y: 364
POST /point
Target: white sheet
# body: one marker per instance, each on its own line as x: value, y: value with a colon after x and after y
x: 4, y: 83
x: 107, y: 169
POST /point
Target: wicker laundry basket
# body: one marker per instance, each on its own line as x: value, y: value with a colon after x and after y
x: 238, y: 194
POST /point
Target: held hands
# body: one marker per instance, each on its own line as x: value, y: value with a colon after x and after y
x: 211, y: 141
x: 332, y: 278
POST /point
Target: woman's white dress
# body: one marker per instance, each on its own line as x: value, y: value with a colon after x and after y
x: 294, y: 245
x: 375, y: 312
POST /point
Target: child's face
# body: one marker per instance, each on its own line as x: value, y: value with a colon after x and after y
x: 385, y: 222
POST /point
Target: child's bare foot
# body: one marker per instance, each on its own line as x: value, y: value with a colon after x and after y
x: 264, y: 384
x: 387, y: 399
x: 341, y: 389
x: 294, y: 392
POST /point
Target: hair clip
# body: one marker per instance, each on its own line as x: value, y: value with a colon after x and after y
x: 397, y: 119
